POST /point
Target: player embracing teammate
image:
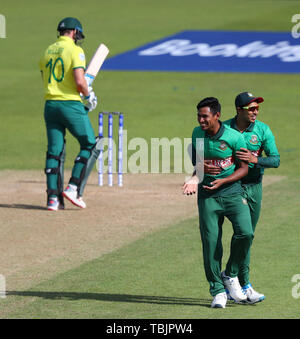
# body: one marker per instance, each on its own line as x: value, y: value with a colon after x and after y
x: 231, y: 187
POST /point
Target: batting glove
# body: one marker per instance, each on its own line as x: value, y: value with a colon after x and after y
x: 91, y: 100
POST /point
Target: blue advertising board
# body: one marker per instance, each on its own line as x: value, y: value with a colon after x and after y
x: 214, y: 51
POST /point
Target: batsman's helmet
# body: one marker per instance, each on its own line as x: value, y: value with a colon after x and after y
x: 71, y: 23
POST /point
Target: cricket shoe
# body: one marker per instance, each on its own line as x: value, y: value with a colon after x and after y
x: 252, y: 295
x: 71, y: 194
x: 234, y: 288
x: 219, y: 300
x: 54, y: 205
x: 229, y: 297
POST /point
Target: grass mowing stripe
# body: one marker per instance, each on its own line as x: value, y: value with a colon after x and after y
x: 161, y: 275
x: 154, y: 102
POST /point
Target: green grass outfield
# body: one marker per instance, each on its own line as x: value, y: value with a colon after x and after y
x: 156, y: 104
x: 160, y: 276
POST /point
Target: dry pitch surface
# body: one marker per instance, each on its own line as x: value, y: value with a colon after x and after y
x: 36, y: 243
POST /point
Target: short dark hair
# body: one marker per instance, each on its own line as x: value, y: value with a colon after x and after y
x: 212, y: 103
x: 65, y: 31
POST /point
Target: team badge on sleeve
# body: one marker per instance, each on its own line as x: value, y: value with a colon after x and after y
x: 81, y: 56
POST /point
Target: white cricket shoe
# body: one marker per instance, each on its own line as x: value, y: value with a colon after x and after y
x: 229, y: 297
x: 54, y: 204
x: 252, y: 295
x: 219, y: 300
x: 234, y: 288
x: 71, y: 194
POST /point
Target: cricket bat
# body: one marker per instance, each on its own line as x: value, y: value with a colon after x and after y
x: 96, y: 63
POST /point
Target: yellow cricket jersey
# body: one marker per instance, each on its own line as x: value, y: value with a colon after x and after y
x: 57, y: 65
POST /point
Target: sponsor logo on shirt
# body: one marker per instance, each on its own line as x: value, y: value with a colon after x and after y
x: 223, y: 163
x: 257, y: 153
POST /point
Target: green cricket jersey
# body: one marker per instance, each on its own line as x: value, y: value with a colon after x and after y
x: 220, y: 151
x: 259, y: 138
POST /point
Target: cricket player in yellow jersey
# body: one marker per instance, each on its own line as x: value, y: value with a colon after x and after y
x: 68, y: 99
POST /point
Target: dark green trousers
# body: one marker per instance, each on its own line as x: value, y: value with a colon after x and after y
x: 253, y: 194
x: 61, y: 116
x: 212, y: 212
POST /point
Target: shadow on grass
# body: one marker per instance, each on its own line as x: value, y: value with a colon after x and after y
x: 129, y: 298
x: 23, y: 206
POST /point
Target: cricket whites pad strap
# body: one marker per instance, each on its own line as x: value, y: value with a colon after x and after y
x: 81, y: 159
x: 52, y: 170
x: 88, y: 165
x: 53, y: 192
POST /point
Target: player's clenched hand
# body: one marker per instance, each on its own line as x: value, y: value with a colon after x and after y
x: 246, y: 155
x: 91, y: 100
x: 191, y: 185
x: 214, y: 184
x: 211, y: 169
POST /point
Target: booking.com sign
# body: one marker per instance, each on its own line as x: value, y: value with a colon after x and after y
x: 214, y: 51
